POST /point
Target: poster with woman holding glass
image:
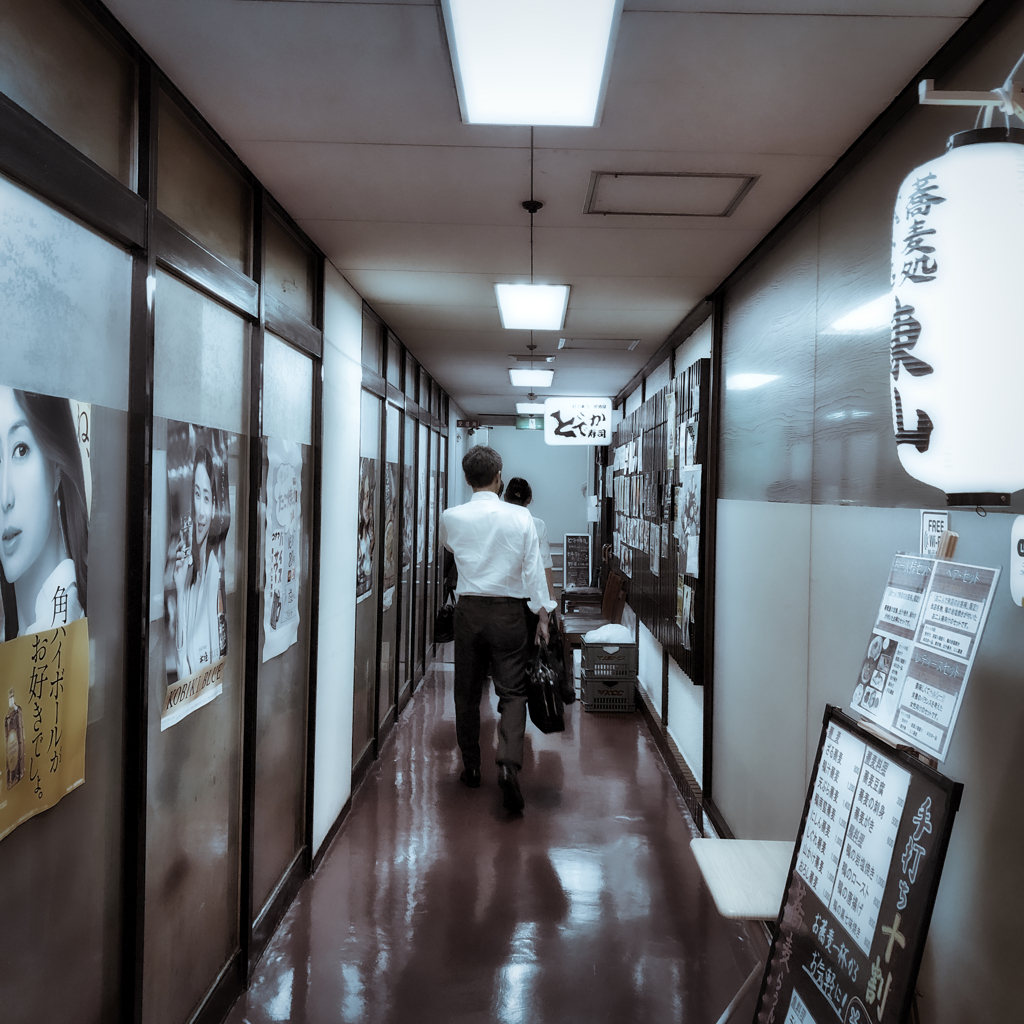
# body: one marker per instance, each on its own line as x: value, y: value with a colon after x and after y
x: 45, y: 493
x: 199, y: 513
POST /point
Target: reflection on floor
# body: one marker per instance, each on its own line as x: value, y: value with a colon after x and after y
x: 434, y: 905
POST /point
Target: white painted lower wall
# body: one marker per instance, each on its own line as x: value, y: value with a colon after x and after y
x: 342, y: 368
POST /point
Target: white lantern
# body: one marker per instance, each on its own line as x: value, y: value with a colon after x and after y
x: 957, y: 346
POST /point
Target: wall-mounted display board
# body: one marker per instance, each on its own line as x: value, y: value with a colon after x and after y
x: 576, y: 561
x: 660, y: 502
x: 858, y: 900
x: 922, y: 648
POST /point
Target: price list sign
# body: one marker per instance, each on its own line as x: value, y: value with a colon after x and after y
x: 849, y: 939
x: 577, y: 561
x: 922, y: 648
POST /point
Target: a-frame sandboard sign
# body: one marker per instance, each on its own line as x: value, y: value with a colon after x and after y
x: 858, y: 899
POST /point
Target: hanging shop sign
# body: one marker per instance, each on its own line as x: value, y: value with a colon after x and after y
x: 957, y: 342
x: 922, y: 648
x: 577, y: 421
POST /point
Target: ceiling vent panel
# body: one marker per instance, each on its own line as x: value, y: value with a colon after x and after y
x: 666, y: 193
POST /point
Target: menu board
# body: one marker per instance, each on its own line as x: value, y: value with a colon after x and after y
x: 576, y: 561
x: 922, y: 648
x: 858, y: 900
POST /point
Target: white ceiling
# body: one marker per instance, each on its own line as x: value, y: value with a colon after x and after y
x: 347, y: 111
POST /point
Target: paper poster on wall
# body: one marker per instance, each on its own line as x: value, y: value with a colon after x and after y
x: 922, y: 649
x: 45, y: 460
x: 366, y: 539
x: 408, y: 518
x: 390, y: 533
x: 688, y: 527
x: 670, y: 432
x: 195, y: 612
x: 282, y: 498
x: 690, y: 441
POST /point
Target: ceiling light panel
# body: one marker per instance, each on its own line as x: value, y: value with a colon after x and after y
x: 531, y: 62
x: 531, y: 378
x: 666, y: 193
x: 530, y: 408
x: 532, y: 307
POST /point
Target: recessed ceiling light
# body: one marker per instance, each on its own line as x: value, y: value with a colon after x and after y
x: 530, y: 408
x: 531, y: 378
x: 531, y: 61
x: 532, y: 307
x: 746, y: 381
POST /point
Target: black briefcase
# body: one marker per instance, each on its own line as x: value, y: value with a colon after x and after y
x: 544, y: 691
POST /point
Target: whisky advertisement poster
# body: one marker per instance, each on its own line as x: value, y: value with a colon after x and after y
x: 922, y: 649
x: 282, y: 544
x: 44, y: 657
x: 199, y: 504
x: 46, y: 676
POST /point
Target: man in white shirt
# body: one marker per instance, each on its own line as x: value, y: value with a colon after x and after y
x: 496, y: 552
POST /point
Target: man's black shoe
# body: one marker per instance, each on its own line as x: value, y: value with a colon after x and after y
x: 470, y: 777
x: 508, y: 779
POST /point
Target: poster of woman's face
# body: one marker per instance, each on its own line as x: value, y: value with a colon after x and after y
x: 366, y: 539
x: 390, y: 523
x: 408, y: 517
x: 45, y: 492
x: 199, y: 514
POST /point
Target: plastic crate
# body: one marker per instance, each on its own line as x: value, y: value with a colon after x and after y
x: 601, y: 694
x: 609, y: 662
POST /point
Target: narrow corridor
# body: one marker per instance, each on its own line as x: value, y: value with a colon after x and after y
x: 434, y: 904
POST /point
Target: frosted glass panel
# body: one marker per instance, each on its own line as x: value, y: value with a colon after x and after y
x: 200, y: 442
x: 199, y: 191
x: 201, y: 358
x: 287, y: 392
x: 696, y: 346
x: 58, y: 64
x: 290, y: 267
x: 281, y: 700
x: 392, y: 543
x: 65, y: 296
x: 768, y: 366
x: 367, y: 575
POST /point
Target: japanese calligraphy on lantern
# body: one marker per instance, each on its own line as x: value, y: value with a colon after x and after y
x: 922, y: 648
x: 868, y: 859
x: 282, y: 545
x: 578, y: 421
x: 46, y: 679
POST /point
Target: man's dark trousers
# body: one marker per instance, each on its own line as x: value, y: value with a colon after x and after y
x: 490, y: 634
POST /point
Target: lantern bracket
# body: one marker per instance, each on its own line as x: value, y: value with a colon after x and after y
x: 1009, y: 99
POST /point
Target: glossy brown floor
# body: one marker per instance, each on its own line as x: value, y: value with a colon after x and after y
x: 434, y: 905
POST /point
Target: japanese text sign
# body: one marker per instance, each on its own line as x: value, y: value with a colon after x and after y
x: 577, y: 421
x: 922, y: 648
x: 851, y: 931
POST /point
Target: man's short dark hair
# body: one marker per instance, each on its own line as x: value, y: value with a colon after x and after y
x: 481, y: 465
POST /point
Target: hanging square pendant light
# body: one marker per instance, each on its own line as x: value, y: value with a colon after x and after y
x: 532, y: 307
